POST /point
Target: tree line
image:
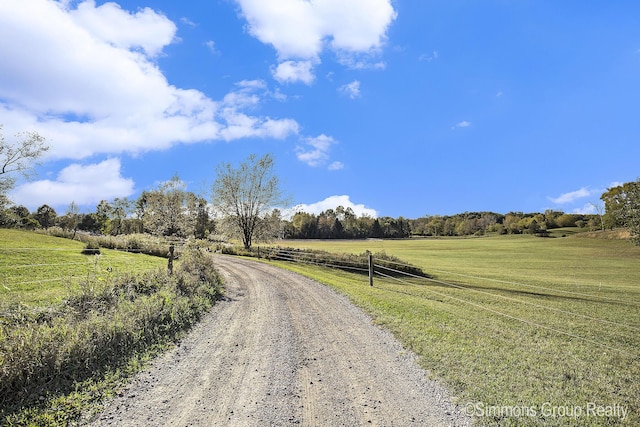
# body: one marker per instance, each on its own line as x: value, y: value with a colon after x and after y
x: 342, y: 223
x: 242, y: 199
x: 168, y: 210
x: 243, y: 206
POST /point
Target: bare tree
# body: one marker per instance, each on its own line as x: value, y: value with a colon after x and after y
x: 246, y: 197
x: 18, y: 157
x: 600, y: 211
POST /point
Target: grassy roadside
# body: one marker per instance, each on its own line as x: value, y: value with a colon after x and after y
x: 543, y: 325
x: 59, y: 359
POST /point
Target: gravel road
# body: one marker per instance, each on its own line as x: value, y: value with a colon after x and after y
x: 282, y: 350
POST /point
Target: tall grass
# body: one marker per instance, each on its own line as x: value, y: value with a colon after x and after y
x: 47, y: 354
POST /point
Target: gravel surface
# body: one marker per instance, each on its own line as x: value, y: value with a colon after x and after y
x: 281, y: 350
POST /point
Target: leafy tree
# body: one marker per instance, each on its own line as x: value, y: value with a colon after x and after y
x: 71, y: 219
x: 140, y: 206
x: 566, y: 220
x: 245, y: 196
x: 349, y: 221
x: 270, y: 227
x: 203, y: 225
x: 18, y: 157
x: 623, y: 204
x: 166, y: 209
x: 121, y: 208
x: 22, y: 214
x: 511, y: 223
x: 90, y: 223
x: 102, y: 216
x: 326, y: 222
x: 303, y: 225
x: 376, y: 229
x: 435, y: 227
x: 46, y: 216
x: 17, y: 217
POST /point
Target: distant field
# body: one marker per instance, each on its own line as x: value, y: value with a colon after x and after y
x: 38, y: 270
x: 513, y: 322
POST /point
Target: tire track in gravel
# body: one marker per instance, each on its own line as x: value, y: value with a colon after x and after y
x: 279, y: 350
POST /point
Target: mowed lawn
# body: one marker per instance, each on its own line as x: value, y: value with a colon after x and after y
x: 524, y: 330
x: 38, y: 270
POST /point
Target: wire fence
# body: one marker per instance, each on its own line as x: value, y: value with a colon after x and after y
x: 415, y: 279
x: 32, y: 271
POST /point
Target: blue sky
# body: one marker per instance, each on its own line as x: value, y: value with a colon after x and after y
x: 392, y: 107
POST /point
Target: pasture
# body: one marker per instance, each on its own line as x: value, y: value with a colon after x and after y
x: 39, y: 270
x: 524, y: 330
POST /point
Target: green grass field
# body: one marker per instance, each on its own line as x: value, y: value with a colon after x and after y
x: 513, y: 324
x: 39, y: 270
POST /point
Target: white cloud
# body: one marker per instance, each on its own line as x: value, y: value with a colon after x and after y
x: 188, y: 22
x: 86, y: 79
x: 360, y: 61
x: 301, y: 29
x: 433, y: 56
x: 211, y: 45
x: 333, y: 202
x: 315, y: 151
x: 462, y: 124
x: 587, y: 209
x: 571, y: 197
x: 352, y: 90
x: 336, y: 166
x: 82, y: 184
x: 294, y: 71
x: 144, y: 29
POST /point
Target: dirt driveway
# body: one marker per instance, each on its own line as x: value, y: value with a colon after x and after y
x: 282, y: 350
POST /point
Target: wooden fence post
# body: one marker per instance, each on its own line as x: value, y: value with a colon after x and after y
x: 170, y: 262
x: 370, y: 256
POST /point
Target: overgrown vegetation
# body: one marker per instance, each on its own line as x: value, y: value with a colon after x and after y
x: 54, y: 359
